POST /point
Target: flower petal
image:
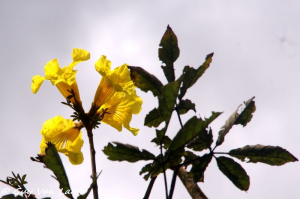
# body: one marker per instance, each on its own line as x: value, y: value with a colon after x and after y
x: 120, y: 109
x: 80, y: 55
x: 37, y: 81
x: 52, y: 70
x: 66, y: 137
x: 103, y: 66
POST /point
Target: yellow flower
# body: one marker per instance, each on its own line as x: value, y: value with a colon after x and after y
x: 63, y: 78
x: 116, y: 95
x: 66, y: 137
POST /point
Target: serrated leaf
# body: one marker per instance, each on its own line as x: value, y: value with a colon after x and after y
x: 191, y: 129
x: 237, y: 118
x: 199, y: 167
x: 145, y: 81
x: 153, y: 118
x: 126, y: 152
x: 191, y: 75
x: 186, y: 105
x: 202, y: 141
x: 53, y: 162
x: 272, y: 155
x: 234, y: 172
x: 168, y: 53
x: 167, y: 102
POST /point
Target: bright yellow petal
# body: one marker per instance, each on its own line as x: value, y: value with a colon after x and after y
x: 52, y: 70
x: 37, y: 81
x: 120, y: 109
x: 43, y: 146
x: 65, y: 89
x: 103, y: 66
x: 75, y: 158
x: 80, y: 55
x: 66, y: 137
x: 104, y: 92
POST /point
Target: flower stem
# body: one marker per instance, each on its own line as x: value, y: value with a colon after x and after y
x: 93, y: 163
x: 147, y: 194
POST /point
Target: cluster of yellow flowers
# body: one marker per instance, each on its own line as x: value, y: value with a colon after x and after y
x: 115, y: 94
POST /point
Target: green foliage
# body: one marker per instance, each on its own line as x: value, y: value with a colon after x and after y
x: 126, y: 152
x: 272, y: 155
x: 153, y: 118
x: 201, y: 141
x: 53, y: 162
x: 11, y: 196
x: 191, y: 75
x: 195, y: 134
x: 145, y: 81
x: 237, y: 118
x: 18, y: 183
x: 185, y: 105
x: 168, y: 101
x: 168, y: 53
x: 234, y: 172
x: 199, y: 166
x: 192, y: 128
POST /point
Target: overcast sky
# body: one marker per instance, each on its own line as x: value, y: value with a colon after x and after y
x: 257, y: 53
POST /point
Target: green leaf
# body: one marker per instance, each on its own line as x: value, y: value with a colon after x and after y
x: 155, y: 168
x: 12, y: 196
x: 191, y: 129
x: 151, y: 169
x: 246, y: 115
x: 53, y: 162
x: 237, y: 118
x: 153, y: 118
x: 165, y: 140
x: 145, y: 81
x: 161, y: 138
x: 126, y: 152
x: 272, y: 155
x: 191, y: 75
x: 199, y: 167
x: 167, y: 102
x: 234, y: 172
x: 202, y: 141
x: 168, y: 53
x: 186, y: 105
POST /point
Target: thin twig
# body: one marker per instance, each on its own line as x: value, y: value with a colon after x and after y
x: 173, y: 182
x: 164, y: 170
x: 147, y: 194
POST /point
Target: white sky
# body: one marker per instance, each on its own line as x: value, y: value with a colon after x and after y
x: 257, y: 53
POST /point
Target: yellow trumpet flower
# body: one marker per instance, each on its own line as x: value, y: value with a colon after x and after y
x: 116, y: 96
x: 62, y: 78
x: 66, y: 137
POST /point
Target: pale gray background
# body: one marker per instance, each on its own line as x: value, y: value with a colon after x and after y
x: 256, y: 45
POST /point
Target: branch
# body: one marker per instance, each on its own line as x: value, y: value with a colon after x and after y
x: 191, y: 186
